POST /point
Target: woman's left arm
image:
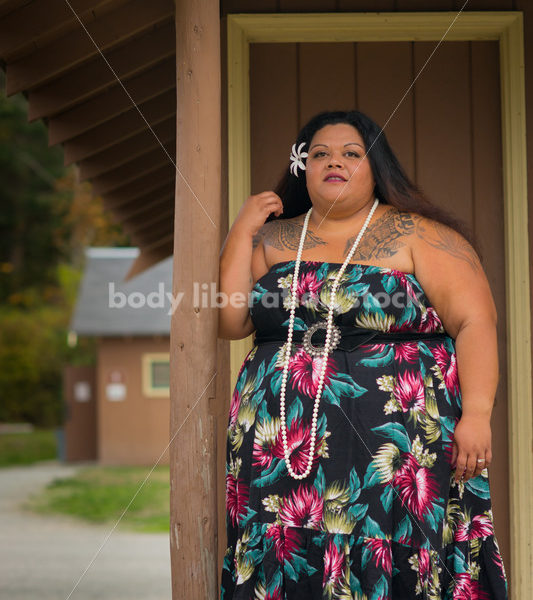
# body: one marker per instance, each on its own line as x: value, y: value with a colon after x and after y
x: 455, y: 283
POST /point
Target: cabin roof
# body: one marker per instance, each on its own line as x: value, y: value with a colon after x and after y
x: 108, y: 305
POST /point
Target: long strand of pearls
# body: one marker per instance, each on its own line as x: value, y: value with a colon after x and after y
x: 327, y: 349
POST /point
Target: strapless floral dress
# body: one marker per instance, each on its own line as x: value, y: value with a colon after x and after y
x: 380, y: 515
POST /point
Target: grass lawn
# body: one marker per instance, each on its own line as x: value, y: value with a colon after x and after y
x: 27, y: 448
x: 100, y: 494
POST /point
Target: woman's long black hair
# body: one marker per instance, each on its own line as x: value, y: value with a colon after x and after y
x: 393, y: 186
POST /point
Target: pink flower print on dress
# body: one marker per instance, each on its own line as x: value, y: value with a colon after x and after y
x: 430, y: 320
x: 299, y: 444
x: 262, y: 455
x: 333, y: 565
x: 409, y: 391
x: 308, y: 289
x: 416, y: 485
x: 274, y: 595
x: 467, y: 588
x: 236, y: 498
x: 424, y: 566
x: 302, y: 508
x: 381, y: 553
x: 305, y: 372
x: 234, y: 407
x: 447, y: 364
x: 406, y: 352
x: 286, y: 540
x: 479, y: 526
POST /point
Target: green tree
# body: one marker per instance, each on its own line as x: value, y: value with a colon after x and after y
x: 46, y: 219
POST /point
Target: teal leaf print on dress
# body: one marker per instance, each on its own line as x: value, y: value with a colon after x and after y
x: 381, y: 589
x: 357, y: 291
x: 256, y: 531
x: 372, y: 305
x: 434, y: 517
x: 299, y: 324
x: 460, y: 564
x: 263, y: 413
x: 447, y: 428
x: 277, y: 469
x: 275, y: 382
x: 272, y: 364
x: 358, y: 511
x: 341, y: 385
x: 372, y: 529
x: 390, y: 283
x: 387, y: 496
x: 408, y: 315
x: 294, y: 566
x: 260, y: 372
x: 258, y: 291
x: 320, y: 481
x: 404, y: 531
x: 355, y: 486
x: 380, y: 358
x: 372, y: 476
x: 249, y: 514
x: 479, y: 486
x: 397, y: 433
x: 296, y: 410
x: 242, y: 380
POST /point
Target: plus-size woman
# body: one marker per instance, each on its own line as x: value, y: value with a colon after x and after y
x: 359, y: 435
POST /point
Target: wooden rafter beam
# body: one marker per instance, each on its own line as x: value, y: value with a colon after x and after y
x: 142, y: 186
x: 34, y: 22
x: 8, y: 6
x: 130, y: 171
x: 112, y: 102
x: 92, y: 78
x: 110, y: 30
x: 121, y: 128
x: 161, y: 245
x: 153, y: 201
x: 121, y: 153
x: 152, y: 228
x: 149, y: 256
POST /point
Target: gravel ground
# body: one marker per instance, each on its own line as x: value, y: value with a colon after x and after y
x: 44, y: 557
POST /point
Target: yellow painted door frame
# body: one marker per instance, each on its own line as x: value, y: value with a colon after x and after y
x: 507, y: 29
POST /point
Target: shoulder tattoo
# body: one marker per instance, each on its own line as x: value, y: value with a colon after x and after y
x: 448, y: 240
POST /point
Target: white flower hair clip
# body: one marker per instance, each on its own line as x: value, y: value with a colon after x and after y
x: 297, y: 158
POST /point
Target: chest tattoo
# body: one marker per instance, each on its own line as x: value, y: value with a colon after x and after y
x: 285, y: 235
x: 384, y: 237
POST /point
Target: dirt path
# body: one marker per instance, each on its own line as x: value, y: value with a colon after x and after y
x: 43, y: 557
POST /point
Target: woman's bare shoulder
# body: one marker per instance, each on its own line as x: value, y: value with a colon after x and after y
x: 432, y: 235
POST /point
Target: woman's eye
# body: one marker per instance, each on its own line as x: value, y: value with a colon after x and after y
x: 322, y: 152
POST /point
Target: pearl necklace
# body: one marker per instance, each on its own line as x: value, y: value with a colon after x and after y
x: 327, y: 344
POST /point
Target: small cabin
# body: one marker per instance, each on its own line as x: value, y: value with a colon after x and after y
x: 118, y: 410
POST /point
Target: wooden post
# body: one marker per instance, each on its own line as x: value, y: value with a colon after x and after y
x: 193, y: 339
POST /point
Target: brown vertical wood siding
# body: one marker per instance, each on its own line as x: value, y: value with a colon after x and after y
x: 446, y: 132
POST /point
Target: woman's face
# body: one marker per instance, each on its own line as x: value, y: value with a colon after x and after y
x: 338, y: 149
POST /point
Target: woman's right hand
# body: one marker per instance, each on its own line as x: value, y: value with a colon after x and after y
x: 255, y: 211
x: 235, y: 275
